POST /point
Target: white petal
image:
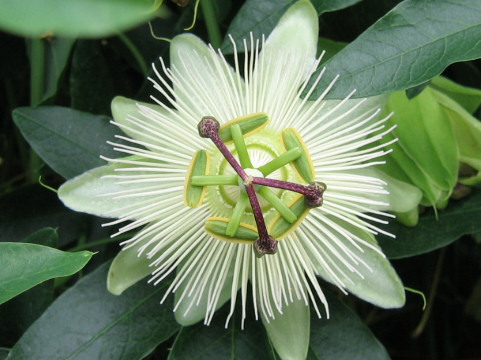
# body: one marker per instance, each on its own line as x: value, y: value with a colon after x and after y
x: 400, y: 197
x: 350, y: 258
x: 153, y: 126
x: 289, y: 331
x: 127, y: 268
x: 296, y: 34
x: 101, y: 192
x: 204, y: 83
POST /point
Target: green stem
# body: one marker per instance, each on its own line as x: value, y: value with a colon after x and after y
x: 37, y: 85
x: 89, y: 245
x: 215, y: 37
x: 240, y: 146
x: 432, y: 295
x: 37, y: 68
x: 280, y: 161
x: 207, y: 180
x: 277, y: 203
x: 135, y: 52
x: 235, y: 219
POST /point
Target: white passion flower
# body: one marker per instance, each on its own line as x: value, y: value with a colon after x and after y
x: 232, y: 164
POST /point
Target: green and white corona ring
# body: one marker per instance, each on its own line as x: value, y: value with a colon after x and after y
x: 243, y: 189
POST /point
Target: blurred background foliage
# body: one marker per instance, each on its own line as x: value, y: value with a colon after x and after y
x: 59, y: 70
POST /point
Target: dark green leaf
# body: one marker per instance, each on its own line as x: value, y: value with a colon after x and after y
x: 460, y: 218
x: 33, y: 207
x: 91, y: 78
x: 3, y: 353
x: 26, y: 265
x: 73, y: 18
x: 87, y: 322
x: 411, y: 44
x: 416, y: 90
x: 342, y: 337
x: 216, y: 342
x: 69, y: 141
x: 261, y: 16
x: 17, y: 314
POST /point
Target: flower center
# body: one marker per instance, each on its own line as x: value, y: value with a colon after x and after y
x: 251, y: 174
x: 279, y: 188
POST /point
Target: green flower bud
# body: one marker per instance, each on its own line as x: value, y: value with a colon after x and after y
x: 426, y: 154
x: 466, y: 128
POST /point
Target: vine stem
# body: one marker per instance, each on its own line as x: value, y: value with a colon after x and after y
x: 432, y: 294
x: 37, y: 86
x: 215, y: 36
x: 89, y: 245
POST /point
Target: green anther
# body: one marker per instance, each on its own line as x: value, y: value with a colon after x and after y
x: 235, y: 219
x: 283, y: 159
x: 248, y: 124
x: 281, y: 227
x: 240, y: 146
x: 199, y: 165
x: 208, y: 180
x: 303, y: 164
x: 277, y: 203
x: 217, y: 228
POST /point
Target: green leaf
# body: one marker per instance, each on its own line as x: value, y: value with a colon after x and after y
x: 69, y: 141
x: 102, y: 326
x: 331, y: 47
x: 261, y: 16
x: 460, y: 218
x: 215, y: 342
x: 74, y: 18
x: 343, y: 337
x: 33, y: 207
x: 392, y: 54
x: 416, y: 90
x: 26, y: 265
x: 92, y: 77
x: 17, y: 314
x: 4, y: 353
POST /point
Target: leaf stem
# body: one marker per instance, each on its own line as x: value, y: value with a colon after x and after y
x: 89, y: 245
x: 37, y: 68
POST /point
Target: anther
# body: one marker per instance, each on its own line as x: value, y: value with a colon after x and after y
x: 312, y: 192
x: 208, y: 127
x: 315, y: 199
x: 267, y: 246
